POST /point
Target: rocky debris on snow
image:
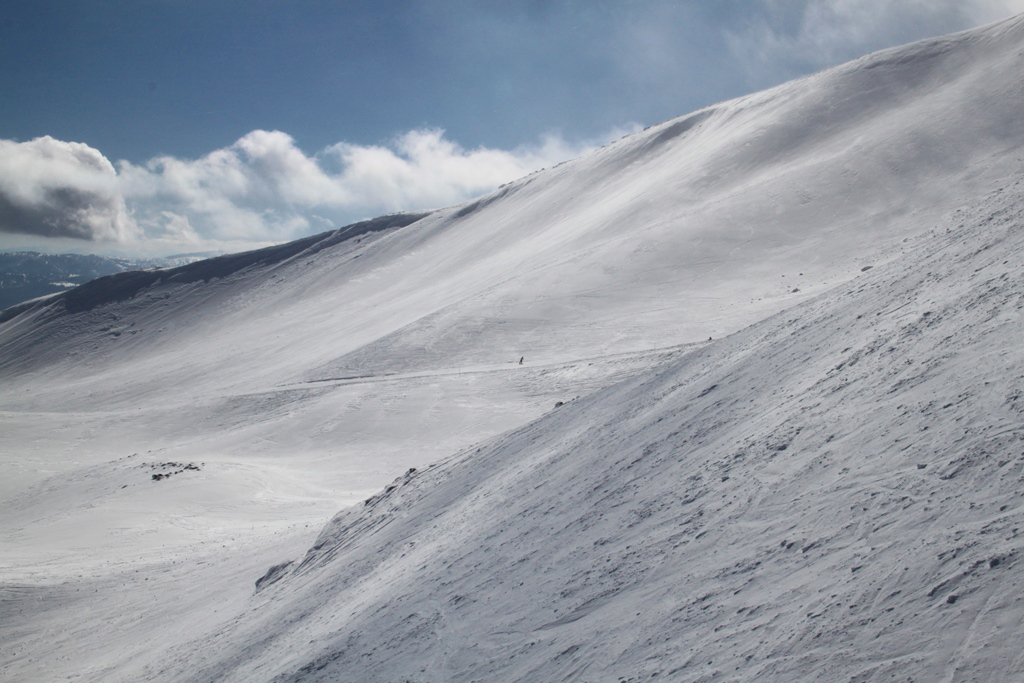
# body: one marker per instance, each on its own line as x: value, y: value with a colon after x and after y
x: 165, y: 470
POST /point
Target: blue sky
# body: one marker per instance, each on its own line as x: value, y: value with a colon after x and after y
x: 165, y: 125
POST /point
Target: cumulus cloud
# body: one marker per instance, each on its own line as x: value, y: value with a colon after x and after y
x: 422, y: 168
x: 264, y: 187
x: 51, y: 188
x: 787, y: 37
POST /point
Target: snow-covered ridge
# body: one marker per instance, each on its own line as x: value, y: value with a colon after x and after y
x: 793, y: 501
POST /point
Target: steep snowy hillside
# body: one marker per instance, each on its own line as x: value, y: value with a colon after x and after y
x: 688, y: 230
x: 835, y: 494
x: 166, y: 437
x: 692, y: 228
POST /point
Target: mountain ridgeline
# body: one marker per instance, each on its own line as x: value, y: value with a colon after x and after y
x: 27, y: 275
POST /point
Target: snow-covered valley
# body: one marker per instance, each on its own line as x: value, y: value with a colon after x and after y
x: 784, y: 332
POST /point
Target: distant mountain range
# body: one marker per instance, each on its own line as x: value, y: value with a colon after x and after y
x: 26, y: 275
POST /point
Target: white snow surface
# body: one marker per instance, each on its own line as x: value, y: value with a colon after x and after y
x: 831, y: 492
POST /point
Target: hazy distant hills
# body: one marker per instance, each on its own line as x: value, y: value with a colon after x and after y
x: 26, y: 275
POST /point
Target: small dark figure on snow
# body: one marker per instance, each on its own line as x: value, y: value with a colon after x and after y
x: 521, y: 360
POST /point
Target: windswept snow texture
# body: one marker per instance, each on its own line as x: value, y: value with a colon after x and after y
x: 835, y: 494
x: 830, y: 493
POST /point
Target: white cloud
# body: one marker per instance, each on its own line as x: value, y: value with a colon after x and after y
x: 51, y: 188
x: 422, y: 168
x: 264, y: 188
x: 989, y: 10
x: 790, y: 37
x: 261, y: 189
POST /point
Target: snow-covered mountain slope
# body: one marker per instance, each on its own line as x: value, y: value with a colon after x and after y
x: 674, y: 234
x: 688, y: 230
x: 274, y: 388
x: 834, y: 494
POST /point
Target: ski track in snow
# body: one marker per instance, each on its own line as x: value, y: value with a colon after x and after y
x: 829, y: 490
